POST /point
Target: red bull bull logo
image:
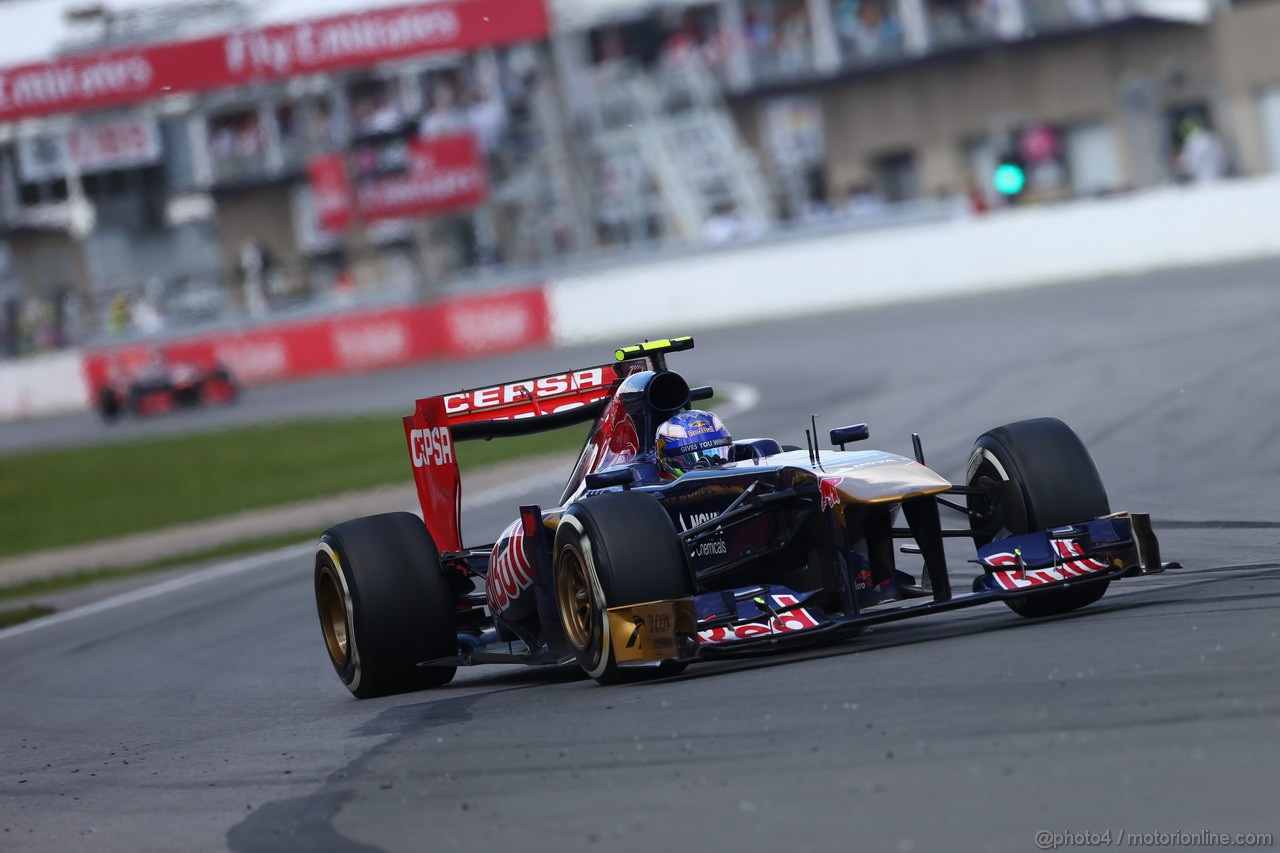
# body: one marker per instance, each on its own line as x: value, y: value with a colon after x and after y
x: 830, y: 491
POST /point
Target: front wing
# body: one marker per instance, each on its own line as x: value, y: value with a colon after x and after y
x: 766, y: 617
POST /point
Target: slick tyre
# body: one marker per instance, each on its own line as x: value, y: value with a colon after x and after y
x: 108, y: 405
x: 1043, y: 477
x: 384, y: 605
x: 611, y: 550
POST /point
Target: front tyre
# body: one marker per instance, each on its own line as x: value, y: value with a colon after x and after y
x: 219, y: 387
x: 612, y: 550
x: 1039, y: 475
x: 384, y: 605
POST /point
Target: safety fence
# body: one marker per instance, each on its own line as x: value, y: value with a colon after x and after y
x: 335, y: 344
x: 1175, y: 227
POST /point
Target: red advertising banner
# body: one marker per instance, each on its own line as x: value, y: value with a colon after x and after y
x: 112, y: 78
x: 355, y: 342
x: 483, y: 323
x: 331, y: 186
x: 444, y: 174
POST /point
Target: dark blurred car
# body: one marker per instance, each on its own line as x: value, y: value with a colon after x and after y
x: 163, y: 384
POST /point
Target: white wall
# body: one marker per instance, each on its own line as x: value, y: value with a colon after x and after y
x: 1269, y: 110
x: 1173, y: 227
x: 1093, y: 158
x: 42, y: 386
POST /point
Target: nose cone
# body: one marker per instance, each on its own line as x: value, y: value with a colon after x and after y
x: 874, y: 476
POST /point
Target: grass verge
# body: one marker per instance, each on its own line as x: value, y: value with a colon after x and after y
x: 62, y: 498
x: 61, y: 583
x: 9, y: 618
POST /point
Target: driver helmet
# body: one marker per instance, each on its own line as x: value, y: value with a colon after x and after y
x: 692, y: 439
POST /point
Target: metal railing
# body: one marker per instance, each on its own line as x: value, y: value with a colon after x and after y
x: 153, y: 309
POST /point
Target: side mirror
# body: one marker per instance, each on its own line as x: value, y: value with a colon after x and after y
x: 611, y: 477
x: 849, y: 434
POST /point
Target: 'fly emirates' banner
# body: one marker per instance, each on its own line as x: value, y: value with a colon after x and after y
x: 112, y: 78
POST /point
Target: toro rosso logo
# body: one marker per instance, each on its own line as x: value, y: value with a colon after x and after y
x: 515, y: 393
x: 431, y: 447
x: 510, y: 572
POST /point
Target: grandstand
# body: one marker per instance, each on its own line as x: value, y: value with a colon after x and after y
x: 166, y: 166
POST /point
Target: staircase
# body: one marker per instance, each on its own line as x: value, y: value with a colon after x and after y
x: 666, y: 154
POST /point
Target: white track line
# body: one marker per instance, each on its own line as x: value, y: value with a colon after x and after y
x: 739, y: 399
x: 214, y: 573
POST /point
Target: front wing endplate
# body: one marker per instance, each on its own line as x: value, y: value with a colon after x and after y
x: 648, y: 633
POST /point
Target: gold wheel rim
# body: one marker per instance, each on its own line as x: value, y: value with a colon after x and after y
x: 577, y: 605
x: 333, y: 616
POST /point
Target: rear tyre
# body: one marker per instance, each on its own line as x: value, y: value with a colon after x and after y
x: 108, y: 405
x: 1044, y: 477
x: 384, y: 605
x: 611, y: 550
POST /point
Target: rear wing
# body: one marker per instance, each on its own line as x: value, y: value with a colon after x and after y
x: 515, y: 408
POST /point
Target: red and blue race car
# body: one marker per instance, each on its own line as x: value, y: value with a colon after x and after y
x: 635, y: 574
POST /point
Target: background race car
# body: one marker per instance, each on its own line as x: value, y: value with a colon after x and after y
x: 161, y: 384
x: 641, y: 570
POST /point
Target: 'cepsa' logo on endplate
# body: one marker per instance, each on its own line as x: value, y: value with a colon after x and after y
x: 431, y: 446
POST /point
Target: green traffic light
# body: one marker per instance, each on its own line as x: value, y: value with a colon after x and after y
x: 1009, y: 179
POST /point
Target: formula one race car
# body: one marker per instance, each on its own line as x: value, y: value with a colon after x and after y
x: 635, y: 573
x: 161, y: 384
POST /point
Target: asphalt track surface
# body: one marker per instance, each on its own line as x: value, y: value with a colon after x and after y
x: 205, y: 715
